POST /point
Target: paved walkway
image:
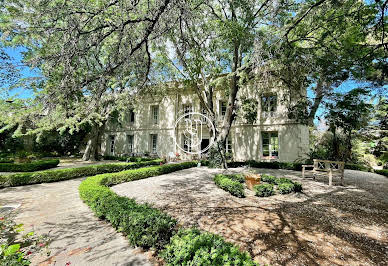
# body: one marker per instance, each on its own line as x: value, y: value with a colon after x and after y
x: 338, y: 225
x: 77, y: 235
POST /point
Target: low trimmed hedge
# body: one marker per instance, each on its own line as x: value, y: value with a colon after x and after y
x: 143, y: 225
x: 264, y: 190
x: 382, y: 172
x: 129, y: 159
x: 268, y: 178
x: 268, y: 165
x: 70, y: 173
x: 358, y: 167
x: 193, y: 247
x: 28, y: 167
x: 6, y: 160
x: 228, y: 184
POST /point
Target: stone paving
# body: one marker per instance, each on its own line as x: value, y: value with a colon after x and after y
x: 77, y: 235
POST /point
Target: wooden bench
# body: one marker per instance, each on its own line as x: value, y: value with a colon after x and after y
x: 325, y: 168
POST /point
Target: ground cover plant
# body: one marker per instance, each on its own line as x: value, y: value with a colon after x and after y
x: 231, y: 183
x: 70, y: 173
x: 28, y: 166
x: 264, y: 190
x: 15, y: 247
x: 193, y: 247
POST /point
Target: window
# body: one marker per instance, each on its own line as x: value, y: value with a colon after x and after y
x: 222, y: 108
x: 130, y: 143
x: 268, y: 103
x: 186, y: 143
x: 112, y: 144
x: 154, y: 143
x: 229, y: 145
x: 131, y: 116
x: 270, y: 144
x: 187, y: 108
x: 155, y: 114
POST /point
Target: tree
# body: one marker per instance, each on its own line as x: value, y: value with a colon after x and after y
x: 331, y: 42
x: 92, y: 55
x: 349, y: 113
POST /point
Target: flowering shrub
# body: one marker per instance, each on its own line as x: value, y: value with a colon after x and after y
x: 15, y: 249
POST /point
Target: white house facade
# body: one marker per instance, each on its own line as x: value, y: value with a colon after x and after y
x: 272, y: 136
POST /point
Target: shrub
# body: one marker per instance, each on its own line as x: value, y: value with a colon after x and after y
x: 70, y: 173
x: 6, y: 160
x: 232, y: 186
x: 268, y: 165
x: 193, y: 247
x: 282, y: 180
x: 297, y: 187
x: 144, y: 226
x: 237, y: 177
x: 28, y: 167
x: 264, y: 190
x: 286, y: 188
x: 358, y: 167
x: 128, y: 159
x: 382, y: 172
x: 268, y: 178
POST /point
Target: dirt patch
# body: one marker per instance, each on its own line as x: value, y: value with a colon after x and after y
x: 339, y: 225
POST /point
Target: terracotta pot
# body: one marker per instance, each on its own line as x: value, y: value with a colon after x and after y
x: 252, y: 180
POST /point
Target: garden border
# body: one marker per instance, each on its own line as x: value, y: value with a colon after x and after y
x: 28, y: 167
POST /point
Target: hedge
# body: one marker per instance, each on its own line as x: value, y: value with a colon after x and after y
x: 193, y: 247
x: 269, y: 165
x: 128, y: 159
x: 286, y: 188
x: 382, y: 172
x: 144, y: 226
x: 70, y: 173
x: 358, y: 167
x: 28, y: 167
x: 228, y: 184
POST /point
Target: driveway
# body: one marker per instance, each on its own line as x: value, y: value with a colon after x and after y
x: 338, y: 225
x: 77, y: 235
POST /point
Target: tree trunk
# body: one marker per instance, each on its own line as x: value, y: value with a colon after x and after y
x: 94, y: 144
x: 320, y: 90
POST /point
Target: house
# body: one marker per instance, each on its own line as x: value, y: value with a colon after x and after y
x: 270, y: 135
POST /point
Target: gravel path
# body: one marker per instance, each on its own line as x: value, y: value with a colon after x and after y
x: 338, y: 225
x: 77, y: 235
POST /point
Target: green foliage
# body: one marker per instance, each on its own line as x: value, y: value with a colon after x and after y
x: 358, y: 167
x: 128, y: 159
x: 269, y: 165
x: 193, y: 247
x: 70, y: 173
x: 286, y: 188
x: 249, y: 110
x: 282, y: 180
x: 229, y: 184
x: 297, y: 186
x: 382, y: 172
x: 268, y: 178
x: 144, y: 226
x: 264, y: 190
x: 28, y: 167
x: 215, y: 158
x: 15, y: 247
x: 236, y: 177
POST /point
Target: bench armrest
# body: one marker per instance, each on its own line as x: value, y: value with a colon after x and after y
x: 306, y: 165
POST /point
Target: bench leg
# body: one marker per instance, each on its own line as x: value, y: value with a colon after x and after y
x: 303, y: 172
x: 342, y: 180
x: 330, y: 178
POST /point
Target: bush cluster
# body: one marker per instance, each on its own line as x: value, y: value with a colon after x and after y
x: 128, y: 159
x: 382, y: 172
x: 358, y: 167
x: 269, y: 165
x: 231, y: 184
x: 264, y: 190
x: 70, y: 173
x: 144, y: 226
x: 284, y: 186
x: 193, y: 247
x: 28, y: 167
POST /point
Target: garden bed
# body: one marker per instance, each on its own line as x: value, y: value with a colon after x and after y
x: 323, y: 225
x: 11, y: 166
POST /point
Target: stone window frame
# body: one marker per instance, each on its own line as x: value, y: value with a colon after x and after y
x: 271, y: 149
